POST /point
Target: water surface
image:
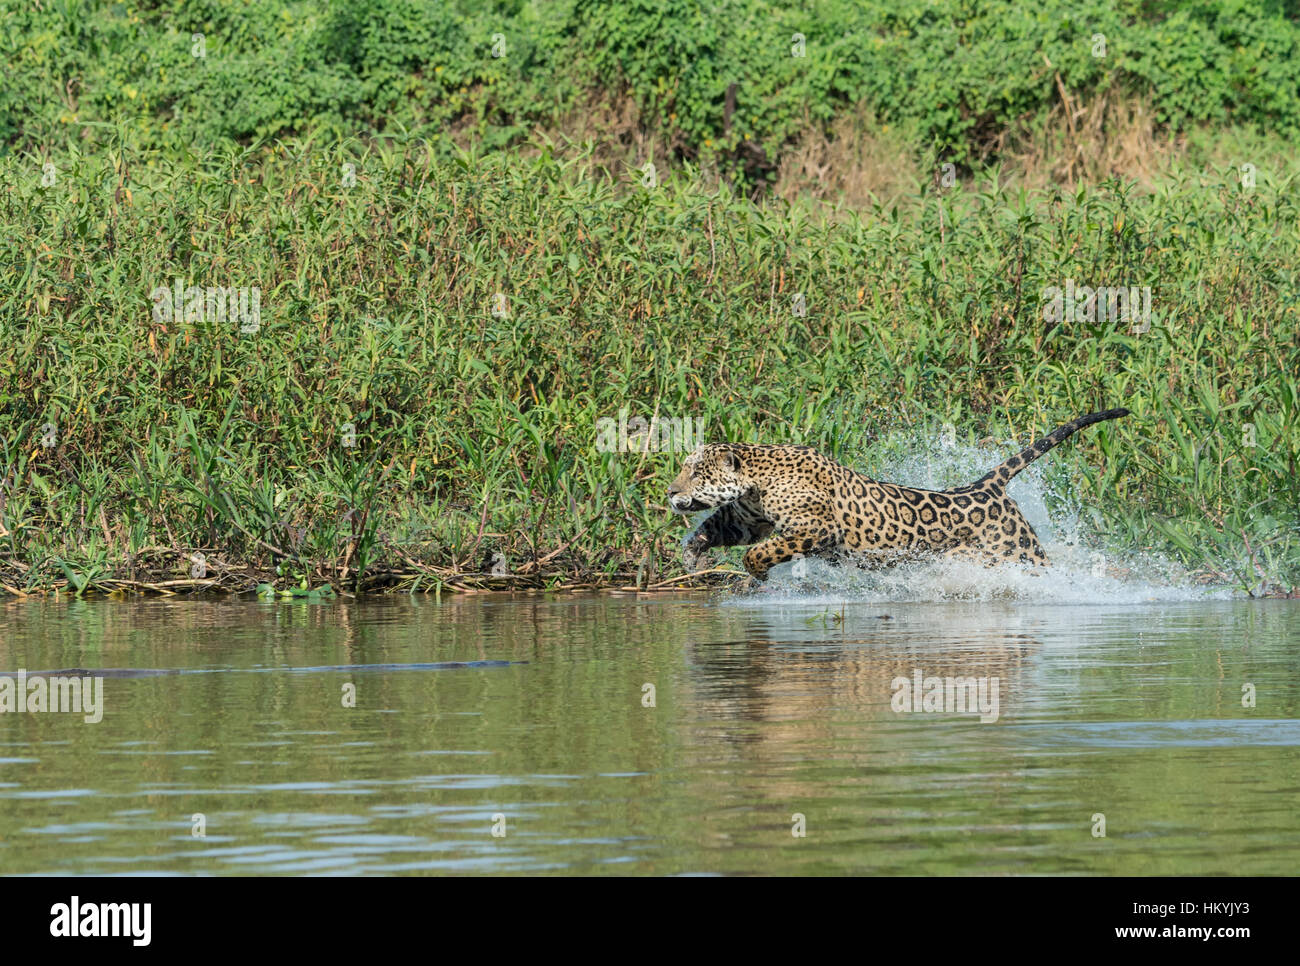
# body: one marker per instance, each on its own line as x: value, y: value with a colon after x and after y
x: 530, y: 713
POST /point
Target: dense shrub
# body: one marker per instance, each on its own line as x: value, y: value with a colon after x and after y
x: 959, y: 72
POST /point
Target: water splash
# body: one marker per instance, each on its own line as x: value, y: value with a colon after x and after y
x: 1065, y: 582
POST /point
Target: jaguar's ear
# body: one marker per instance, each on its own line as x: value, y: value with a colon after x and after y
x: 731, y: 460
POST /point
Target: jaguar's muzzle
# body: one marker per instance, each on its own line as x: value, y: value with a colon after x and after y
x: 683, y: 503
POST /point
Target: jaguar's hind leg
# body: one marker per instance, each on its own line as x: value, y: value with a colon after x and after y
x: 1007, y: 537
x: 1022, y: 547
x: 973, y: 554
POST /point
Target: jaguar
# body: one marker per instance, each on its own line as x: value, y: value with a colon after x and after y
x: 788, y: 502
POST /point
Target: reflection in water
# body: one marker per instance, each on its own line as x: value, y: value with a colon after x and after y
x: 538, y: 709
x: 153, y: 672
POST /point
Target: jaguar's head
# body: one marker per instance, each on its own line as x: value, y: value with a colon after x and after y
x: 712, y: 476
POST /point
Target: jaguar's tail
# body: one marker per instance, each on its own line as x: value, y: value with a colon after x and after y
x: 1002, y: 474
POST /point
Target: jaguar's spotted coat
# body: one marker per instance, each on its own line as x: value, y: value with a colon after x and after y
x: 800, y: 503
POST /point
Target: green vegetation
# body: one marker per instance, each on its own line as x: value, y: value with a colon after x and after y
x: 198, y: 73
x: 475, y: 430
x: 442, y: 331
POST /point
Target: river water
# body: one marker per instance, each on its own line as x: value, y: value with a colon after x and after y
x: 659, y: 734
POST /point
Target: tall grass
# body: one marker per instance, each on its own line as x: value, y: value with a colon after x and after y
x: 384, y: 418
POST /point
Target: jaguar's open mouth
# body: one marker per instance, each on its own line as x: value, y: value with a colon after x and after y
x: 694, y: 506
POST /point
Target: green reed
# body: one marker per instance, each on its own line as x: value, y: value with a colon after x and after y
x: 438, y: 342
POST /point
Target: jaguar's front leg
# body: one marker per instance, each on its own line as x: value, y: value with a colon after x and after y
x: 727, y: 527
x: 762, y: 558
